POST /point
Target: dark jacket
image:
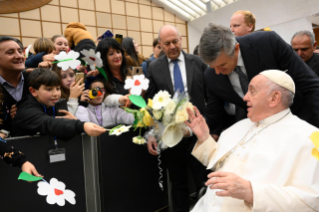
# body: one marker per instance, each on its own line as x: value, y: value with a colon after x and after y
x: 11, y: 155
x: 34, y: 60
x: 31, y: 118
x: 313, y: 63
x: 263, y: 51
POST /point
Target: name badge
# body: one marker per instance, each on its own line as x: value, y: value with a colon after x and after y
x: 57, y: 155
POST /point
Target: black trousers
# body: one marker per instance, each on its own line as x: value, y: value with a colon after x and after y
x: 177, y: 160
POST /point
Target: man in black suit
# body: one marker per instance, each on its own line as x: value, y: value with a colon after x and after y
x: 235, y: 61
x: 304, y: 44
x: 173, y: 71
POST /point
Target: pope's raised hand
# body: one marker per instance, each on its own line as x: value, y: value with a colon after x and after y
x: 197, y: 124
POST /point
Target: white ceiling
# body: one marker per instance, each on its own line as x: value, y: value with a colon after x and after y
x: 191, y: 9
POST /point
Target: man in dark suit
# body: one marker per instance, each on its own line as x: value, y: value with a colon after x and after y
x: 304, y: 44
x: 174, y: 71
x: 235, y: 61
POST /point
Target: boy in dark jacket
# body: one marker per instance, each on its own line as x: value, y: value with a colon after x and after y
x: 36, y: 111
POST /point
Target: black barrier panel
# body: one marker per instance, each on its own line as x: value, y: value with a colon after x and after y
x: 19, y: 195
x: 128, y: 176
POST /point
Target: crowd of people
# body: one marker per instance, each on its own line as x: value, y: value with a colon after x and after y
x: 262, y: 160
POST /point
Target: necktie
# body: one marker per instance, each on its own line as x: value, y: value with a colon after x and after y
x: 243, y: 79
x: 178, y: 81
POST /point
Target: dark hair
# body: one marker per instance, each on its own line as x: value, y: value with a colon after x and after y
x: 103, y: 47
x: 129, y: 47
x: 8, y: 38
x: 195, y: 52
x: 57, y: 36
x: 43, y: 45
x: 155, y: 42
x: 43, y: 76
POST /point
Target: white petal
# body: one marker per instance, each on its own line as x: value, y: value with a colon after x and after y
x: 74, y: 64
x: 92, y: 67
x: 52, y: 199
x: 144, y: 84
x: 85, y: 52
x: 128, y: 84
x: 92, y: 52
x: 69, y: 196
x: 60, y: 185
x: 136, y: 90
x: 45, y: 190
x: 60, y: 200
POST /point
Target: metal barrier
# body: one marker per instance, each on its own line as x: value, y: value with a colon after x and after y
x: 106, y: 173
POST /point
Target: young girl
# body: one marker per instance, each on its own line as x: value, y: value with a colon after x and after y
x: 60, y: 43
x: 99, y: 113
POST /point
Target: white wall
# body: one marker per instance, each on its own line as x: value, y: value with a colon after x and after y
x: 195, y: 36
x: 281, y: 15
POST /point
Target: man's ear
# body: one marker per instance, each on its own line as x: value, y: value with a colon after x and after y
x: 250, y: 27
x: 236, y: 49
x: 33, y: 92
x: 275, y: 99
x: 314, y: 46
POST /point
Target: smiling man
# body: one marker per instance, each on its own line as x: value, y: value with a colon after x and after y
x: 263, y: 163
x: 14, y: 82
x: 234, y: 61
x: 304, y: 44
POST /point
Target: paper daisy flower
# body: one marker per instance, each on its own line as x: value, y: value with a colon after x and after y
x: 92, y: 58
x: 119, y: 130
x: 139, y: 140
x: 68, y: 60
x: 161, y: 99
x: 137, y: 84
x: 27, y: 50
x: 56, y: 192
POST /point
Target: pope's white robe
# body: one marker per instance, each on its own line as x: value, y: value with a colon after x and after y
x: 277, y: 161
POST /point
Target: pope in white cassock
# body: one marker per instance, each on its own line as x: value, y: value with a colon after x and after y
x: 262, y: 163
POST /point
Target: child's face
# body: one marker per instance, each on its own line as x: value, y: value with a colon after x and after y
x: 67, y: 78
x: 98, y: 100
x: 61, y: 44
x: 47, y: 95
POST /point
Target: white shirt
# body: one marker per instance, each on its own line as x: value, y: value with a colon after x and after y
x: 182, y: 67
x: 276, y: 159
x: 234, y: 81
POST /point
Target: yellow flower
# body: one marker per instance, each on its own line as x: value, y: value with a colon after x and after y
x: 139, y: 140
x: 150, y: 103
x: 147, y: 119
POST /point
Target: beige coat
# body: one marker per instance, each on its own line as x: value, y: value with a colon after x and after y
x: 276, y: 160
x: 75, y: 32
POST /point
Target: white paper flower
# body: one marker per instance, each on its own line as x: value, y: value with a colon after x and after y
x: 120, y: 130
x: 139, y: 140
x: 56, y: 192
x: 92, y: 58
x: 27, y: 50
x: 161, y: 99
x: 71, y: 60
x: 137, y: 84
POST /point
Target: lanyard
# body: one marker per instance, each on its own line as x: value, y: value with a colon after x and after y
x: 55, y: 140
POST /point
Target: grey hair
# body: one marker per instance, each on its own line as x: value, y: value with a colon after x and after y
x: 311, y: 35
x: 159, y: 31
x: 287, y: 97
x: 215, y: 39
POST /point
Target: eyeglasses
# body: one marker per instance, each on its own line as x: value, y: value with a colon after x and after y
x: 101, y: 89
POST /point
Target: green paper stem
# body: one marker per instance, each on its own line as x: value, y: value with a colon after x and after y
x: 59, y: 61
x: 101, y: 70
x: 137, y: 100
x: 28, y: 177
x: 114, y: 128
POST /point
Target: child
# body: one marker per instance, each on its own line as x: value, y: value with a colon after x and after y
x: 37, y: 112
x: 99, y: 113
x: 69, y: 89
x: 60, y: 43
x: 44, y: 53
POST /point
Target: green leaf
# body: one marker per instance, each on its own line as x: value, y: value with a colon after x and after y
x: 28, y: 177
x: 137, y: 100
x: 101, y: 70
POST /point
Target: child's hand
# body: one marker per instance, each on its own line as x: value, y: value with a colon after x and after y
x: 29, y: 168
x: 76, y: 89
x: 68, y: 115
x: 85, y: 96
x: 13, y: 111
x: 49, y: 57
x: 81, y: 68
x: 93, y: 129
x: 124, y: 99
x: 45, y: 64
x: 93, y: 73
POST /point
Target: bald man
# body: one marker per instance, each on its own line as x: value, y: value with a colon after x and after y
x: 264, y: 162
x: 242, y: 23
x: 174, y: 71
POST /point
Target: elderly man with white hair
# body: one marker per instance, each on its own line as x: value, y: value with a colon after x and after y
x: 262, y: 163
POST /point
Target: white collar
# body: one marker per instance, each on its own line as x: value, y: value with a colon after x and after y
x: 180, y: 58
x: 274, y: 118
x: 240, y: 61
